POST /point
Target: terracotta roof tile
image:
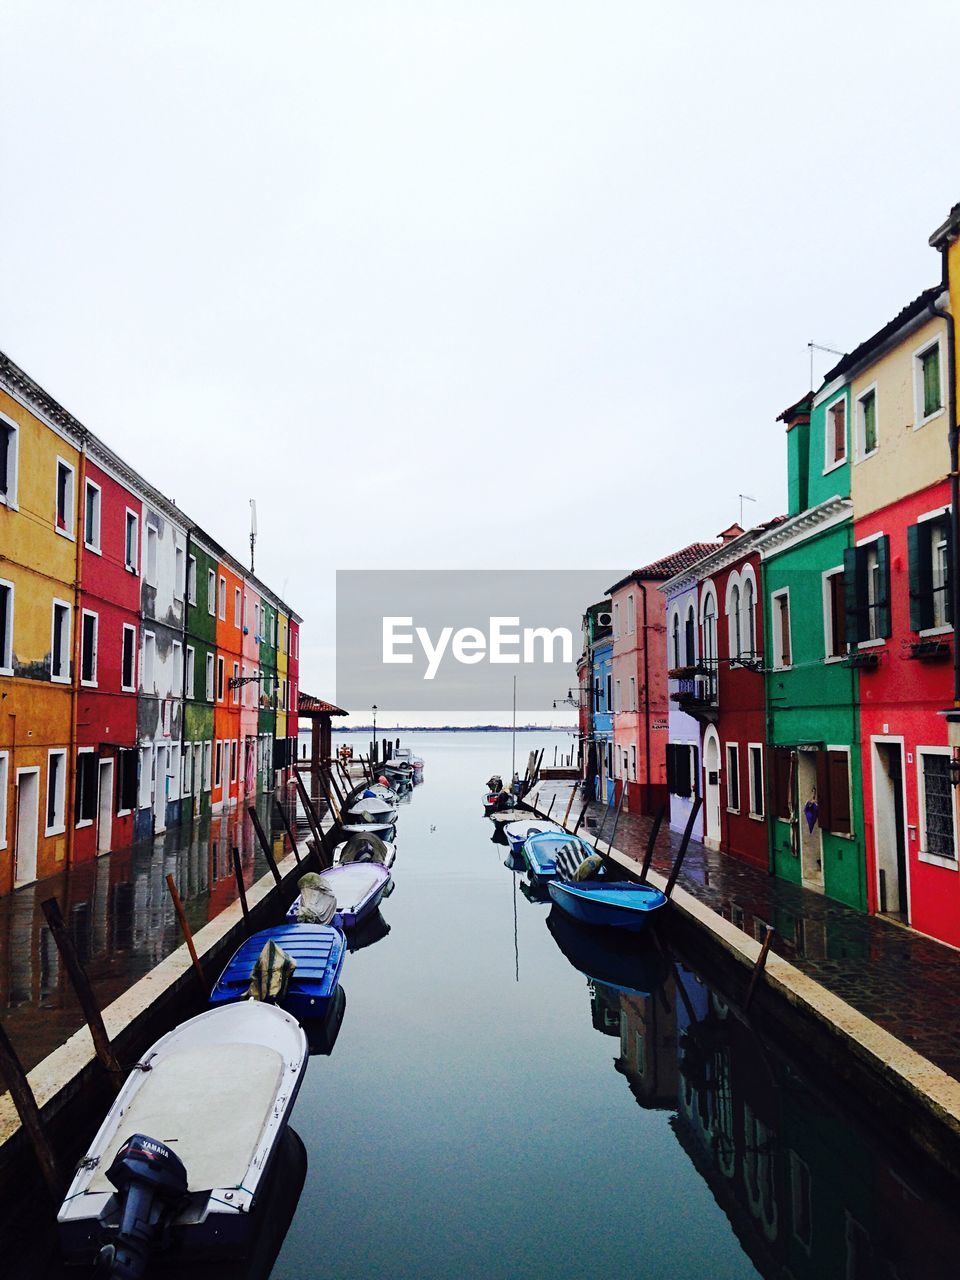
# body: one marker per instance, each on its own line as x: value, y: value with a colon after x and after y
x: 307, y: 705
x: 676, y: 562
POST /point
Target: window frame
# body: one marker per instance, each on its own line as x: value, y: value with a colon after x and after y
x: 132, y: 686
x: 176, y: 660
x: 919, y: 418
x: 179, y: 572
x: 80, y: 823
x: 209, y: 685
x: 222, y: 598
x: 84, y: 614
x: 68, y: 528
x: 151, y: 572
x: 191, y: 579
x: 828, y: 637
x: 861, y: 454
x: 940, y: 515
x: 88, y: 485
x: 934, y: 859
x: 152, y: 638
x: 11, y: 498
x: 4, y: 790
x: 190, y: 679
x: 221, y: 683
x: 67, y: 647
x: 776, y: 626
x: 830, y: 433
x: 731, y: 756
x: 237, y: 608
x: 758, y: 815
x: 57, y: 828
x: 212, y: 592
x: 6, y: 642
x: 131, y: 566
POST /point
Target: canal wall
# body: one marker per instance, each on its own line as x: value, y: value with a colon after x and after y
x: 884, y: 1079
x: 72, y: 1088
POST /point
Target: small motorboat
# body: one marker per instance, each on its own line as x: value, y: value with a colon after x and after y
x: 367, y: 847
x: 403, y: 756
x: 551, y: 853
x: 356, y: 888
x: 306, y: 990
x: 518, y: 832
x: 368, y: 813
x: 606, y: 903
x: 510, y: 815
x: 182, y: 1157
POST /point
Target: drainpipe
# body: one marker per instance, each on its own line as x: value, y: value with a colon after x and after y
x: 646, y: 687
x: 72, y: 761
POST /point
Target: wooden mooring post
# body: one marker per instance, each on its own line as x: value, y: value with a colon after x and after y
x: 319, y: 835
x: 552, y: 801
x: 291, y: 835
x: 81, y: 985
x: 573, y: 792
x: 241, y: 887
x: 760, y: 965
x: 16, y: 1081
x: 651, y: 842
x: 616, y: 817
x: 684, y: 844
x: 583, y: 812
x: 265, y: 844
x: 187, y: 935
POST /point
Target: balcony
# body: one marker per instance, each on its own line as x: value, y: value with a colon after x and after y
x: 696, y: 694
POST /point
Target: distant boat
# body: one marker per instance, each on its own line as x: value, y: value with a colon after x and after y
x: 365, y: 847
x: 368, y: 813
x: 357, y: 888
x: 510, y: 815
x: 318, y: 952
x: 611, y: 904
x: 185, y: 1150
x: 551, y: 853
x: 518, y: 832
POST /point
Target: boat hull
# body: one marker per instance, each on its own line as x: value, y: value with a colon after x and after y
x: 618, y: 905
x: 539, y: 854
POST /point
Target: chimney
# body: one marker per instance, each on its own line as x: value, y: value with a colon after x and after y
x: 731, y: 534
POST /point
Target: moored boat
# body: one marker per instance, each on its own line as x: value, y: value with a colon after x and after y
x: 518, y: 832
x: 357, y: 889
x: 551, y: 853
x: 365, y: 847
x: 610, y: 904
x: 368, y: 813
x: 317, y: 952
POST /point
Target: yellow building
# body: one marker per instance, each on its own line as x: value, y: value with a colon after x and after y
x: 283, y: 663
x: 41, y: 478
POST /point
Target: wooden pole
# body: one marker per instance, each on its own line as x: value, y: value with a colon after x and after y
x: 682, y: 853
x: 187, y: 935
x: 264, y: 843
x: 583, y: 811
x: 334, y: 808
x: 573, y: 792
x: 600, y: 825
x: 761, y: 964
x: 616, y: 818
x: 291, y: 835
x: 241, y: 887
x: 81, y: 985
x: 16, y: 1080
x: 334, y: 786
x: 651, y: 842
x: 552, y: 802
x: 311, y: 814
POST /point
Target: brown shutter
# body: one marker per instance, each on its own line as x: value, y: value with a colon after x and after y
x: 824, y: 798
x: 839, y: 775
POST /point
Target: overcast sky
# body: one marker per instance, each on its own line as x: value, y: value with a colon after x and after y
x: 460, y: 285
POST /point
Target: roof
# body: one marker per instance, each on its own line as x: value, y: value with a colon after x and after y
x: 308, y: 705
x: 722, y: 554
x: 796, y: 410
x: 947, y: 230
x: 923, y: 302
x: 676, y: 562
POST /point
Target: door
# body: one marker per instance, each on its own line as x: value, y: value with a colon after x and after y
x: 105, y: 807
x: 811, y: 841
x: 160, y: 789
x: 889, y: 832
x: 711, y: 788
x: 28, y: 825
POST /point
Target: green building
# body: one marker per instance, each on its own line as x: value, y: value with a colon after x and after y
x: 200, y: 657
x: 267, y: 723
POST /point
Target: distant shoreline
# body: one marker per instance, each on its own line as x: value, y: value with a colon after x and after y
x: 383, y: 731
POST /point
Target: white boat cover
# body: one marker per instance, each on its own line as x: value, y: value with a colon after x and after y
x: 318, y: 902
x: 354, y: 883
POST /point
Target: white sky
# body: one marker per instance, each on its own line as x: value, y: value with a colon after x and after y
x: 460, y: 284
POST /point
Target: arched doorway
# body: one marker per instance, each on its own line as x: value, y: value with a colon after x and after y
x: 711, y: 787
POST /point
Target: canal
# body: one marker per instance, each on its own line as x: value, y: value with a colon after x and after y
x: 489, y: 1111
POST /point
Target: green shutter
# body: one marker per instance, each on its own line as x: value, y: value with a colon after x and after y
x: 851, y: 595
x: 883, y: 604
x: 932, y: 400
x: 921, y: 577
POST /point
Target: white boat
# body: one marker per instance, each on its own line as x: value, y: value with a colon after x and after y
x: 405, y: 757
x: 518, y: 833
x: 375, y: 850
x: 368, y: 813
x: 181, y: 1159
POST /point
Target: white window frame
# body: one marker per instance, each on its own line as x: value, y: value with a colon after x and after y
x: 828, y: 655
x: 145, y: 777
x: 860, y: 455
x: 212, y: 592
x: 68, y: 647
x: 631, y: 615
x: 89, y: 484
x: 70, y: 517
x: 752, y: 811
x: 132, y: 687
x: 918, y: 418
x: 191, y: 579
x: 237, y: 608
x: 733, y: 769
x: 222, y: 599
x: 749, y: 578
x: 236, y: 688
x: 59, y: 826
x: 132, y: 566
x: 617, y: 697
x: 777, y: 628
x: 941, y: 513
x: 6, y: 642
x: 151, y: 572
x: 191, y: 680
x: 633, y: 693
x: 934, y: 859
x: 89, y: 613
x: 80, y: 823
x: 4, y: 788
x: 221, y: 685
x: 11, y: 497
x: 176, y: 690
x: 733, y: 607
x: 218, y: 764
x: 828, y: 434
x: 209, y: 686
x: 179, y: 572
x: 616, y: 619
x: 206, y: 765
x: 151, y: 637
x: 234, y: 761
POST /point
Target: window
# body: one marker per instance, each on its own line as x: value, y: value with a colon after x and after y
x: 867, y: 423
x: 91, y: 517
x: 682, y: 769
x: 192, y: 579
x: 128, y: 680
x: 236, y: 607
x: 836, y: 434
x: 755, y: 761
x: 236, y: 682
x: 218, y: 768
x: 131, y: 541
x: 219, y: 678
x: 833, y: 791
x: 223, y: 599
x: 834, y: 614
x: 866, y: 572
x: 126, y: 780
x: 609, y: 706
x: 937, y: 825
x: 780, y: 603
x: 85, y: 800
x: 733, y: 622
x: 186, y: 774
x: 211, y: 592
x: 9, y: 457
x: 146, y: 777
x: 65, y: 482
x: 4, y: 780
x: 6, y: 628
x: 89, y: 627
x: 631, y: 616
x: 927, y: 383
x: 190, y: 682
x: 207, y: 765
x: 180, y: 572
x: 710, y: 640
x: 209, y: 678
x: 233, y: 761
x: 690, y: 638
x: 784, y: 768
x: 153, y: 543
x: 60, y: 645
x: 56, y: 792
x: 177, y: 660
x: 618, y: 705
x: 675, y: 630
x: 616, y: 620
x: 148, y: 672
x: 928, y: 547
x: 748, y: 619
x: 633, y: 693
x: 733, y: 777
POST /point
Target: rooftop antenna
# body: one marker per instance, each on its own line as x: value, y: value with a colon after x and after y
x: 744, y: 497
x: 253, y: 529
x: 815, y: 346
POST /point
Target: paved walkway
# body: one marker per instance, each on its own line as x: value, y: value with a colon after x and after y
x: 905, y: 982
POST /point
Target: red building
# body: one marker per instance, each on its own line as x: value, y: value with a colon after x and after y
x: 293, y: 685
x: 107, y: 646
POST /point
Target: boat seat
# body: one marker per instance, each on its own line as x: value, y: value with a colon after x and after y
x: 209, y: 1104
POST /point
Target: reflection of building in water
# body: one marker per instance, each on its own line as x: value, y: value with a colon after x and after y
x: 810, y: 1195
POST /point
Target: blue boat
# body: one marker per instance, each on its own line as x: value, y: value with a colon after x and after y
x: 356, y: 888
x: 612, y: 904
x: 319, y: 952
x: 550, y: 853
x: 518, y: 832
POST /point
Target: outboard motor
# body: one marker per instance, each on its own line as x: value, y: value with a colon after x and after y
x: 495, y: 783
x: 152, y: 1182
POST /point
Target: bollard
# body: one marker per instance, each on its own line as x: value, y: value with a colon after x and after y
x: 583, y: 811
x: 573, y: 792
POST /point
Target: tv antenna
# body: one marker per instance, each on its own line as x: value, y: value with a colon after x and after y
x: 744, y: 497
x: 253, y: 529
x: 815, y: 346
